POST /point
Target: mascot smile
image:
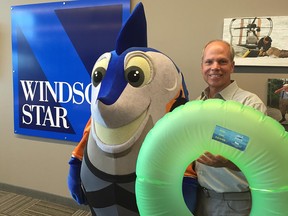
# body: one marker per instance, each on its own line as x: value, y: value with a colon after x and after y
x: 133, y: 87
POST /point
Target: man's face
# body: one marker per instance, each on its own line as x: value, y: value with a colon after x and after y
x: 217, y: 65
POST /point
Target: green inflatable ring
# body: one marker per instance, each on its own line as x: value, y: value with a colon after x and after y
x: 256, y: 143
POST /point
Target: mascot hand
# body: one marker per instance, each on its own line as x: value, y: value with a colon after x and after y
x: 74, y: 181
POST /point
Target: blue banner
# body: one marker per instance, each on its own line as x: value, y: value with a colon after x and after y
x: 54, y: 48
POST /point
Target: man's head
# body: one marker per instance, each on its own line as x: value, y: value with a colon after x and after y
x: 267, y: 39
x: 231, y: 50
x: 217, y: 65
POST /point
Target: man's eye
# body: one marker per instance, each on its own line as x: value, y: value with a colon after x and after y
x: 223, y: 62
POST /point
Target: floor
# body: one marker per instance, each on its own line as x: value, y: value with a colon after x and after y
x: 12, y: 204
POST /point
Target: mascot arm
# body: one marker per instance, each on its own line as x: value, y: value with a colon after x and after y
x: 180, y: 99
x: 74, y: 179
x: 190, y: 172
x: 190, y: 182
x: 79, y: 149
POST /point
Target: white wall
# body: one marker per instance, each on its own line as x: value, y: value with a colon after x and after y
x: 177, y: 28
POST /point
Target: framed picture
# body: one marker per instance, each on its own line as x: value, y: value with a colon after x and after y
x: 277, y: 100
x: 258, y: 41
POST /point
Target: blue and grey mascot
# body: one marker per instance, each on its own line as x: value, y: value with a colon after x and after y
x: 133, y: 87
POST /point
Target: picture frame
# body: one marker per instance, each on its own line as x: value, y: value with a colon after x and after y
x: 246, y: 33
x: 277, y: 100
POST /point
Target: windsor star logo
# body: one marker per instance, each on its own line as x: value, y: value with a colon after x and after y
x: 41, y: 114
x: 54, y: 48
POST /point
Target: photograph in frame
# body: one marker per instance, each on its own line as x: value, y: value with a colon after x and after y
x: 258, y: 41
x: 277, y: 100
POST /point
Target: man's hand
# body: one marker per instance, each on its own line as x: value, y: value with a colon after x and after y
x: 216, y: 161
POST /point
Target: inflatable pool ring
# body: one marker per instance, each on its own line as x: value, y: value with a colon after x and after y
x: 256, y: 143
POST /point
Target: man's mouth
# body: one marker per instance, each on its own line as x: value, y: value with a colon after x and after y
x: 215, y: 75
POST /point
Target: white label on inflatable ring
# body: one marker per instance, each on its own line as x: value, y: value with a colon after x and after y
x: 231, y: 138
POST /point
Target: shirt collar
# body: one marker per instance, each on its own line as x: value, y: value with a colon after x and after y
x: 225, y: 94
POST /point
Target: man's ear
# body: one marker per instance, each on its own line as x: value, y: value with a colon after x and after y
x: 233, y: 66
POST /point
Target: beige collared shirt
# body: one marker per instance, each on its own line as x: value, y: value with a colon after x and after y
x: 223, y: 179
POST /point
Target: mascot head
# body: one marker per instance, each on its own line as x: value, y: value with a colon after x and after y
x: 131, y: 85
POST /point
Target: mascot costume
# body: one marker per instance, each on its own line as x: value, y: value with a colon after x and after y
x: 133, y: 86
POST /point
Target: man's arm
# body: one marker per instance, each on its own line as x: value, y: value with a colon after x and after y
x: 216, y: 161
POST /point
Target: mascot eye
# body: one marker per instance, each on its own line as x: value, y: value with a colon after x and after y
x: 137, y: 71
x: 100, y: 68
x: 98, y: 75
x: 135, y: 76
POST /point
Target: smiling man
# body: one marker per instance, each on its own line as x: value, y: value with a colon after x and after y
x: 217, y: 66
x: 224, y: 188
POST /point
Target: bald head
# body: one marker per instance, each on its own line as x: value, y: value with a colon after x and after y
x: 220, y: 42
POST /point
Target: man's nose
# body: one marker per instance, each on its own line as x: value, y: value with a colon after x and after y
x: 215, y: 66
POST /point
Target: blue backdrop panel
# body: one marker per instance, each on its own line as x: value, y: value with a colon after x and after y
x: 54, y: 48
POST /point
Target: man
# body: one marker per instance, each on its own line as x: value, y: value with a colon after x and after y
x: 224, y: 189
x: 263, y: 45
